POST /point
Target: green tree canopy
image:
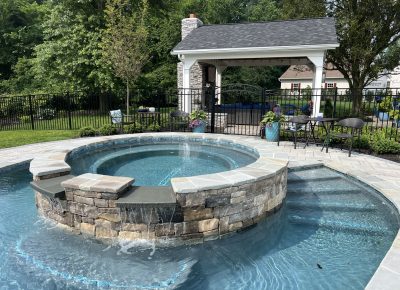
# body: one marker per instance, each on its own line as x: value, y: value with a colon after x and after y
x: 368, y: 33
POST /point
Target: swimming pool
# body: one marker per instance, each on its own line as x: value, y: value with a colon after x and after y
x: 331, y: 228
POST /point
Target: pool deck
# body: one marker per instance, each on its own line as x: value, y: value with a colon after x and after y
x: 380, y: 174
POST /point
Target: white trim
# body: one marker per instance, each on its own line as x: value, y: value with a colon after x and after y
x: 255, y: 49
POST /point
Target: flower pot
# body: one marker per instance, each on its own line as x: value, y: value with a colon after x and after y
x: 200, y: 129
x: 272, y: 132
x: 383, y: 116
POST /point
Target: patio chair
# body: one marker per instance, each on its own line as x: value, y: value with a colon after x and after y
x: 297, y: 125
x: 178, y: 120
x: 120, y: 119
x: 354, y: 125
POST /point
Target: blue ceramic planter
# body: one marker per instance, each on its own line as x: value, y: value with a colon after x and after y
x: 272, y: 132
x: 383, y: 116
x: 200, y: 129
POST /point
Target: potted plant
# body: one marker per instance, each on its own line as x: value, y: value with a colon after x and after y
x: 198, y: 121
x: 384, y: 108
x: 271, y: 121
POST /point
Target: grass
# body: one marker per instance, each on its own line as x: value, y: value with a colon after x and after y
x: 17, y: 138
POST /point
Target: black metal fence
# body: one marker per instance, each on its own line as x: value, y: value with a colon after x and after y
x: 233, y: 109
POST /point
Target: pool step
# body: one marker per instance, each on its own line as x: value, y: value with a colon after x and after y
x: 330, y: 205
x: 322, y: 191
x: 338, y: 224
x: 297, y: 179
x: 311, y: 173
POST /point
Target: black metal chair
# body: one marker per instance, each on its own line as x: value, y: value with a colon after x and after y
x: 178, y: 120
x: 354, y: 125
x: 295, y: 126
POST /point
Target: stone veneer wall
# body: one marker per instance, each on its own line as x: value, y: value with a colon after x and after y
x: 198, y: 216
x: 197, y: 71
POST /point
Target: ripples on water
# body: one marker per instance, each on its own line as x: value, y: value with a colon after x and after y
x: 289, y: 251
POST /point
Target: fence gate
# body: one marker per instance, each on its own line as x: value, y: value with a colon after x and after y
x: 237, y: 109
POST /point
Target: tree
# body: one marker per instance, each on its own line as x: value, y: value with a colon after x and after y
x: 368, y: 33
x: 297, y: 9
x: 264, y: 10
x: 20, y: 31
x: 124, y: 40
x: 68, y: 58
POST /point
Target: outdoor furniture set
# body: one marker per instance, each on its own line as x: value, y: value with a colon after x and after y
x: 349, y: 129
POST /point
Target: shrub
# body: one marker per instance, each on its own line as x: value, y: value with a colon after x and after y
x: 363, y: 143
x: 380, y: 144
x: 328, y: 108
x: 25, y: 119
x: 153, y: 127
x: 87, y: 132
x: 108, y: 129
x: 133, y: 128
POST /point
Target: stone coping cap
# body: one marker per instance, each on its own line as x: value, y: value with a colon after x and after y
x: 98, y: 183
x: 147, y: 196
x: 43, y: 167
x: 264, y: 167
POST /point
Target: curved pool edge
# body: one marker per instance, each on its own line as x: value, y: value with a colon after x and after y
x: 386, y: 276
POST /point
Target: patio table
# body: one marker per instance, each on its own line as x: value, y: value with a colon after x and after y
x: 327, y: 124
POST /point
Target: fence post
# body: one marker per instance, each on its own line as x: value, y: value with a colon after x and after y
x: 211, y: 92
x: 334, y: 102
x: 69, y: 111
x: 31, y: 112
x: 263, y: 101
x: 158, y: 107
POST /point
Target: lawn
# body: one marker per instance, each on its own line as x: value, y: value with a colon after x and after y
x: 17, y: 138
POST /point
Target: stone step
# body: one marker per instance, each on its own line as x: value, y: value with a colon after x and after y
x: 51, y: 187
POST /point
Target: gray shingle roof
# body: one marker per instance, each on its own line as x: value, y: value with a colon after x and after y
x: 262, y: 34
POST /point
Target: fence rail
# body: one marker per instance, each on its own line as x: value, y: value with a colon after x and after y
x: 232, y: 109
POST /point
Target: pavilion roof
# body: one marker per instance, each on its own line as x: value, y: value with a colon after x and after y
x: 303, y: 32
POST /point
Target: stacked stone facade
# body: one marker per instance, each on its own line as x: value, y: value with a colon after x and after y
x: 197, y: 217
x: 197, y: 71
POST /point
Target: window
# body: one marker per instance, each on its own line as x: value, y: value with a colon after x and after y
x: 331, y: 85
x: 295, y: 86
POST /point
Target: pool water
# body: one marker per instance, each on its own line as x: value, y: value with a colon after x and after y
x: 156, y: 164
x: 331, y: 233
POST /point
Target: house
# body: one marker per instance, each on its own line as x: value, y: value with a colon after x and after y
x: 299, y: 77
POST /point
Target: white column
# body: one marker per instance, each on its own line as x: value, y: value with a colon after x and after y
x: 318, y: 61
x: 187, y: 100
x: 218, y: 82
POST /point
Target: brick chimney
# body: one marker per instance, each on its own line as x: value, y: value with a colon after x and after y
x: 189, y: 24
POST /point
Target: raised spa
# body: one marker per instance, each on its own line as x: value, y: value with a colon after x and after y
x: 184, y: 188
x: 157, y: 164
